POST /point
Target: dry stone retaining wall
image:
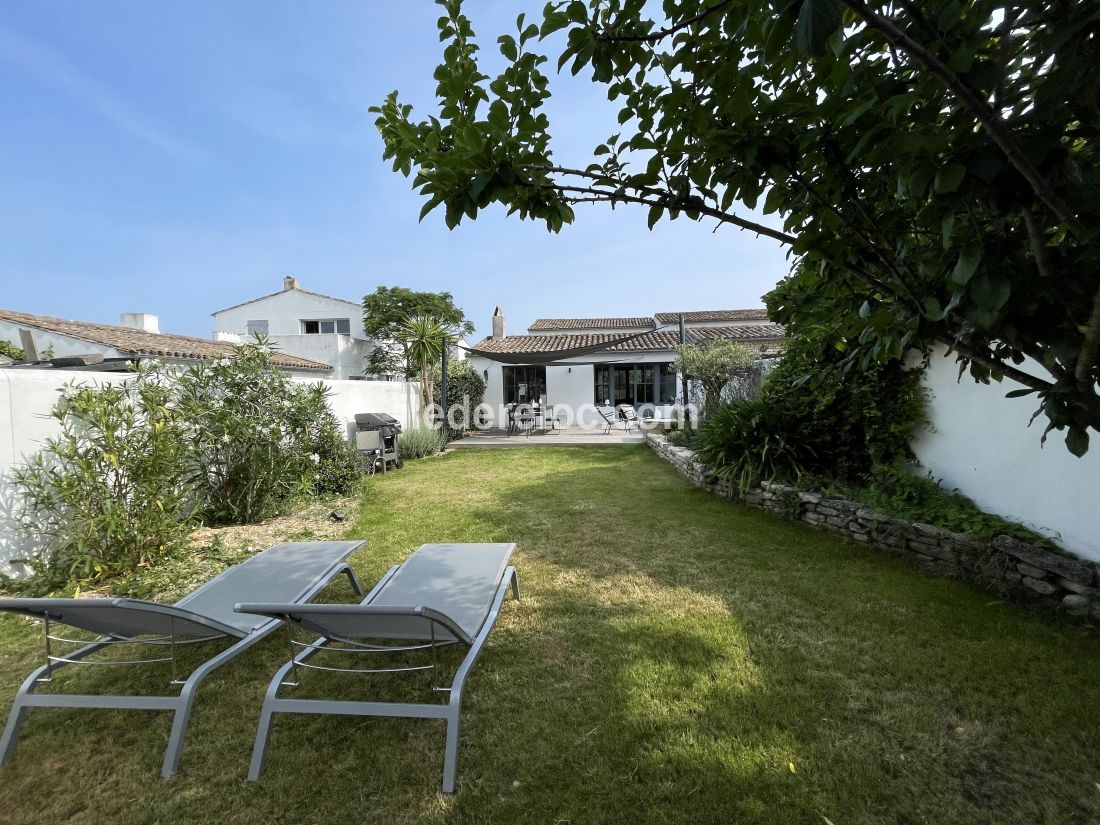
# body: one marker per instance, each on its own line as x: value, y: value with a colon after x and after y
x: 1007, y: 564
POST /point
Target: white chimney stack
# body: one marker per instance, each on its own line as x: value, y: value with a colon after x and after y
x: 289, y: 283
x: 498, y: 324
x: 140, y: 320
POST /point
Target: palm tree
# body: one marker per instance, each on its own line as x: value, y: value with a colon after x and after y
x: 423, y: 337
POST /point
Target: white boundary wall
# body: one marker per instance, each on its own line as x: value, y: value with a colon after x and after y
x: 27, y: 396
x: 981, y: 444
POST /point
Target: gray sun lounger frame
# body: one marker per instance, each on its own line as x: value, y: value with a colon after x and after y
x: 395, y: 611
x: 297, y: 571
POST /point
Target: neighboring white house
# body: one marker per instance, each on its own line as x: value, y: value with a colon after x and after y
x: 138, y: 336
x: 303, y: 323
x: 639, y: 371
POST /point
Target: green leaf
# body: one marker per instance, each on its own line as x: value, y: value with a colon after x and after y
x: 817, y: 21
x: 775, y: 199
x: 947, y: 228
x: 990, y: 291
x: 508, y: 46
x: 932, y: 309
x: 655, y: 213
x: 968, y: 262
x: 1020, y: 393
x: 949, y: 177
x: 1077, y: 441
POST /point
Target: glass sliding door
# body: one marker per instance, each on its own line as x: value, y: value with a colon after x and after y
x: 634, y: 384
x: 524, y: 384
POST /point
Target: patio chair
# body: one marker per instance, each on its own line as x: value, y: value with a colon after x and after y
x: 610, y: 418
x: 629, y: 416
x: 443, y: 594
x: 292, y: 572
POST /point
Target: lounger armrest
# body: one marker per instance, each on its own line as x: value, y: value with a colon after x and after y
x: 339, y: 619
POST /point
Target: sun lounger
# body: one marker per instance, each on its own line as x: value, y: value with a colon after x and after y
x: 443, y: 594
x: 291, y: 572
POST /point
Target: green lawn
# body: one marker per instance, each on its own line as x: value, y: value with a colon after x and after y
x: 675, y: 658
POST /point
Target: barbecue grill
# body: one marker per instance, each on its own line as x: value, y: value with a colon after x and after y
x: 376, y: 437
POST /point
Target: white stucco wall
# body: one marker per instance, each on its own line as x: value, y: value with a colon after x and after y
x: 284, y: 312
x: 347, y: 355
x: 981, y: 444
x: 28, y: 395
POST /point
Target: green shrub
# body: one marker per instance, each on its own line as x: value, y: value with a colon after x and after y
x: 13, y: 352
x: 113, y: 491
x: 847, y: 422
x: 258, y: 438
x: 749, y: 442
x: 419, y: 442
x: 896, y: 491
x: 465, y: 388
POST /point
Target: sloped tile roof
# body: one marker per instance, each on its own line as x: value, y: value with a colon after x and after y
x: 590, y: 323
x: 139, y: 342
x: 280, y: 292
x: 714, y: 315
x: 658, y: 340
x: 739, y: 332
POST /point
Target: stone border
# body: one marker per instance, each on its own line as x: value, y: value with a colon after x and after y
x: 1006, y: 564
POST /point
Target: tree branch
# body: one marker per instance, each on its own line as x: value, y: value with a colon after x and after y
x: 990, y: 120
x: 665, y: 200
x: 993, y: 364
x: 657, y: 36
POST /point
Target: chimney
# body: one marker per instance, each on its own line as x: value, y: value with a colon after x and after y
x: 140, y: 320
x: 498, y: 324
x: 289, y: 283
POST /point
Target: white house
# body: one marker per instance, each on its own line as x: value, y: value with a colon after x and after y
x: 303, y: 323
x: 137, y: 336
x: 639, y: 371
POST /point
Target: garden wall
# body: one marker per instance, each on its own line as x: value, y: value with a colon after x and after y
x: 1006, y: 564
x: 980, y: 444
x: 27, y: 396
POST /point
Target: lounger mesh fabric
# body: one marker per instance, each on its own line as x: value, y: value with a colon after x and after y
x: 442, y: 593
x: 294, y: 572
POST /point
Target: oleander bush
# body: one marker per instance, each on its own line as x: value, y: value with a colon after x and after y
x: 227, y: 441
x: 113, y: 491
x: 259, y: 439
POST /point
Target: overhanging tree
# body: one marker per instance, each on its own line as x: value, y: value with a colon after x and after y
x: 386, y: 313
x: 934, y: 164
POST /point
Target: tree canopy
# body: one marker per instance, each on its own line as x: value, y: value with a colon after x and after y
x: 713, y: 365
x: 934, y: 164
x: 386, y: 314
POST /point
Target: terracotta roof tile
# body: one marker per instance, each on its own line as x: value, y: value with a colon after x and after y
x: 657, y: 340
x: 714, y: 315
x: 139, y: 342
x: 590, y: 323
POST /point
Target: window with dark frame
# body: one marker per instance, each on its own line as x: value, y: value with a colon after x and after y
x: 635, y: 384
x: 327, y: 327
x: 524, y: 384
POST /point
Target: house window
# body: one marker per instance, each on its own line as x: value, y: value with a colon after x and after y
x: 340, y: 325
x: 602, y: 379
x: 256, y: 327
x: 667, y: 388
x: 634, y: 384
x: 524, y: 385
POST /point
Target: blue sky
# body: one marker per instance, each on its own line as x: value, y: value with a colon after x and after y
x: 178, y: 158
